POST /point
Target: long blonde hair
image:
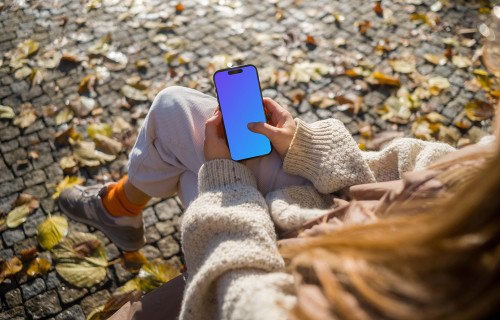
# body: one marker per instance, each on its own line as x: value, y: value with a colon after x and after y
x: 443, y: 262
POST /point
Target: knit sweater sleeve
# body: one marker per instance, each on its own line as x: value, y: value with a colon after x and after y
x: 229, y: 245
x: 326, y: 154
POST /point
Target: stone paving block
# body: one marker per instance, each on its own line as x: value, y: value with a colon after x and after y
x: 149, y: 217
x: 13, y: 298
x: 95, y: 300
x: 16, y: 313
x: 152, y: 235
x: 165, y: 228
x: 9, y: 145
x: 15, y: 156
x: 122, y: 274
x: 30, y: 226
x: 12, y: 236
x: 44, y: 305
x: 33, y: 288
x: 168, y: 247
x: 73, y: 313
x: 69, y: 293
x: 52, y: 280
x: 150, y: 252
x: 25, y: 244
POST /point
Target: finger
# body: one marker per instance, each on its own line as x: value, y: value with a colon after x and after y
x: 263, y: 128
x: 211, y: 126
x: 272, y: 106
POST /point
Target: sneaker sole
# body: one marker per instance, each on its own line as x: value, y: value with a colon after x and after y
x: 95, y: 225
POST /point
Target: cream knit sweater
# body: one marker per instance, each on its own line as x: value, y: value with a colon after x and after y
x: 228, y: 232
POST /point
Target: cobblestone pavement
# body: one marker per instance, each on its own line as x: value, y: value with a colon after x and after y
x: 165, y: 45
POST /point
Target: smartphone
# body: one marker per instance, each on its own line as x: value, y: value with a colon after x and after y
x: 240, y: 100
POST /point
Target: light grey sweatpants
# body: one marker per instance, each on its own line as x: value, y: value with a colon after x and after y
x: 168, y: 153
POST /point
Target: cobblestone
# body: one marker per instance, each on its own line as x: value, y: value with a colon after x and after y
x: 43, y: 305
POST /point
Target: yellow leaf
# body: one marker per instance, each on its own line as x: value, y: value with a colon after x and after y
x: 17, y: 216
x: 67, y: 182
x: 402, y: 66
x: 51, y: 231
x: 38, y: 267
x: 99, y: 128
x: 479, y: 110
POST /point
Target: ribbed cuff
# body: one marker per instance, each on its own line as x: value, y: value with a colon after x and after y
x: 309, y: 146
x: 221, y: 173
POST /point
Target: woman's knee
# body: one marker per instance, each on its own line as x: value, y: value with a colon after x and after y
x: 172, y: 98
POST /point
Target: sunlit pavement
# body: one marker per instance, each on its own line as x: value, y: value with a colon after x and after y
x: 104, y: 61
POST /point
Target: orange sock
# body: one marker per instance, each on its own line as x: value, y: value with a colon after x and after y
x: 116, y: 202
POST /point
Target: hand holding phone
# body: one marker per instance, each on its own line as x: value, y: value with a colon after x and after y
x: 240, y: 101
x: 280, y: 128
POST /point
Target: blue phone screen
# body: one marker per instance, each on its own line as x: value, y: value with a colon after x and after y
x: 241, y: 102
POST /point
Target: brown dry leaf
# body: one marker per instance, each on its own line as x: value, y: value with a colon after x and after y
x: 73, y: 57
x: 62, y: 137
x: 120, y: 125
x: 422, y: 129
x: 378, y: 8
x: 107, y: 145
x: 87, y: 155
x: 380, y: 78
x: 86, y: 248
x: 9, y: 268
x: 311, y: 41
x: 38, y: 267
x: 34, y: 154
x: 479, y: 110
x: 133, y: 261
x: 363, y: 26
x: 29, y: 254
x: 321, y: 100
x: 179, y: 7
x: 65, y: 115
x: 134, y: 93
x: 279, y: 14
x: 435, y: 59
x: 26, y: 117
x: 87, y: 84
x: 350, y: 102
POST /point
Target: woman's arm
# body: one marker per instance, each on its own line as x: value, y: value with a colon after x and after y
x: 325, y: 153
x: 229, y: 243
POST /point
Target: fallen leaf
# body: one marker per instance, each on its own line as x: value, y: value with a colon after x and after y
x: 133, y: 261
x: 437, y: 6
x: 87, y: 84
x: 38, y: 267
x: 120, y: 124
x: 107, y: 145
x: 483, y: 79
x: 50, y: 59
x: 18, y: 216
x: 51, y: 231
x: 321, y: 100
x: 87, y: 155
x: 117, y: 300
x: 435, y: 59
x: 28, y: 254
x: 378, y: 8
x: 34, y: 154
x: 99, y: 128
x: 308, y: 71
x: 69, y: 164
x: 437, y: 84
x: 402, y: 66
x: 115, y: 61
x: 37, y: 76
x: 461, y: 62
x: 134, y: 93
x: 311, y: 41
x: 67, y: 182
x: 101, y: 46
x: 65, y: 115
x: 10, y: 267
x: 22, y: 72
x: 84, y: 266
x: 179, y: 7
x: 363, y: 26
x: 82, y: 106
x: 380, y: 78
x: 479, y: 110
x: 349, y: 102
x: 219, y: 62
x: 24, y: 50
x: 26, y: 117
x: 142, y: 64
x: 151, y: 276
x: 6, y: 112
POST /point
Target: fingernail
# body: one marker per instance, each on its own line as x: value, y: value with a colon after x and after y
x: 251, y: 125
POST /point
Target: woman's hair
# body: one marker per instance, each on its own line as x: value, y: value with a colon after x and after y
x: 443, y: 262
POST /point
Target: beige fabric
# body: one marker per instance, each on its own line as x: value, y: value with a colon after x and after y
x: 228, y: 232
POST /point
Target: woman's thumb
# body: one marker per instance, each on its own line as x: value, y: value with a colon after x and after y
x: 262, y: 128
